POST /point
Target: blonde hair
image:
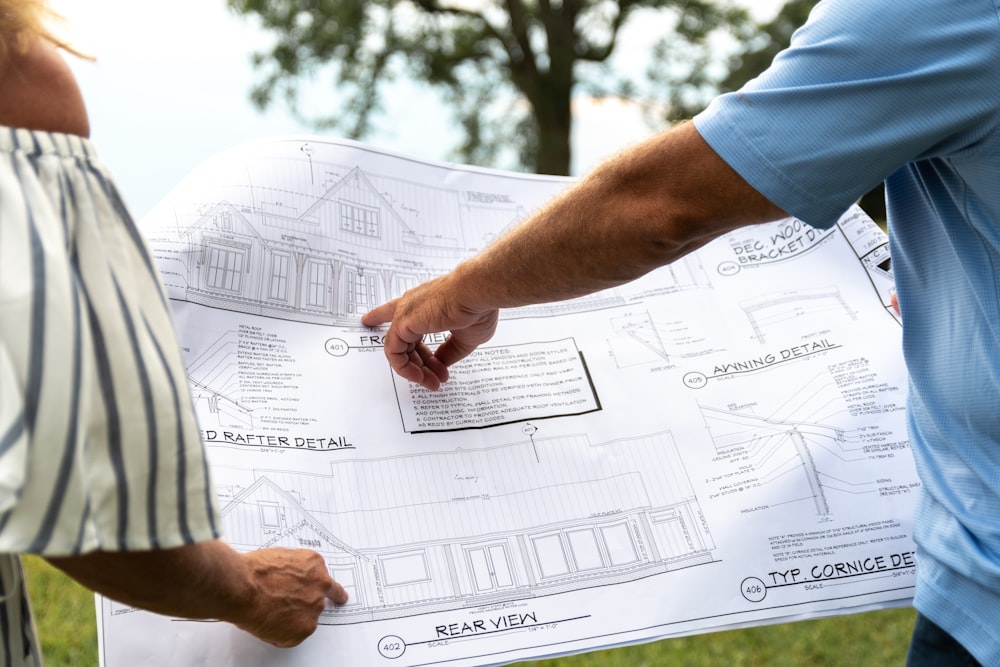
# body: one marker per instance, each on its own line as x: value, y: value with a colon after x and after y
x: 21, y: 21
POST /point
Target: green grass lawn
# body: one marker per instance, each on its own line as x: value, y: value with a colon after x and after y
x: 64, y: 611
x: 65, y: 615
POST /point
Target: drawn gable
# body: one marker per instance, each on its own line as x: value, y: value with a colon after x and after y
x: 355, y: 214
x: 229, y: 245
x: 265, y: 515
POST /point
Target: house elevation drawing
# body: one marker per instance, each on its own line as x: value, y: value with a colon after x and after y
x: 457, y: 530
x: 311, y: 240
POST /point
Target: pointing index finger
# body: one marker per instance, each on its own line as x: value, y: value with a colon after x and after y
x: 380, y: 314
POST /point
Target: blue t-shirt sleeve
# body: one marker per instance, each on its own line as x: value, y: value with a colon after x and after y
x: 866, y: 87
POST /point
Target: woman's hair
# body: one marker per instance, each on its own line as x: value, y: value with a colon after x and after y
x: 23, y: 20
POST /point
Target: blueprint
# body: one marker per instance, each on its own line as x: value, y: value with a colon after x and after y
x: 718, y: 444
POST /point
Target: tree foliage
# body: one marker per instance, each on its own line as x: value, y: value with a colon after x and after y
x: 508, y: 69
x: 759, y: 50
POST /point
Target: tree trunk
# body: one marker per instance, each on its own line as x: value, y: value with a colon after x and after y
x: 553, y: 113
x: 554, y: 152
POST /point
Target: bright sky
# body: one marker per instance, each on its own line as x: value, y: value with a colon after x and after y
x: 171, y: 87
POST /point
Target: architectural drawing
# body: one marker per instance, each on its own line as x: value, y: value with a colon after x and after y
x: 215, y: 385
x: 302, y: 256
x: 453, y: 530
x: 636, y: 341
x: 800, y: 443
x: 639, y: 338
x: 605, y: 470
x: 802, y: 307
x: 327, y: 242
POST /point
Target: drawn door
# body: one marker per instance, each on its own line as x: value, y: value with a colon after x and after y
x: 361, y: 295
x: 490, y: 567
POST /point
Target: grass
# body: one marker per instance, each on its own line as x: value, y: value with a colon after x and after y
x: 65, y: 614
x: 871, y: 639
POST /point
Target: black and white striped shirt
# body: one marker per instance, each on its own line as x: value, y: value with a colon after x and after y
x: 99, y: 447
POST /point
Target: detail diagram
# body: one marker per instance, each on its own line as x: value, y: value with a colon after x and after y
x: 215, y: 385
x: 796, y: 453
x: 639, y: 339
x: 778, y: 311
x: 636, y: 341
x: 449, y: 530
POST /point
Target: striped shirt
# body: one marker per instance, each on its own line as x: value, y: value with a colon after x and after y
x: 99, y: 446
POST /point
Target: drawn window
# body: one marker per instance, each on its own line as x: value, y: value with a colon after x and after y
x: 405, y: 282
x: 360, y: 220
x: 621, y: 548
x: 225, y: 268
x: 224, y: 221
x: 317, y: 279
x: 408, y: 568
x: 347, y: 577
x: 550, y: 554
x: 270, y: 515
x: 278, y: 289
x: 586, y: 551
x: 360, y: 292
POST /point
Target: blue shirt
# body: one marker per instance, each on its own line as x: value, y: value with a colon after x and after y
x: 908, y: 91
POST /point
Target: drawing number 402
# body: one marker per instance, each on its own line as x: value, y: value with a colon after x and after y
x: 391, y: 646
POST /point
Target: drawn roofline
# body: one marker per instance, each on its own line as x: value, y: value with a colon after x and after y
x: 357, y: 173
x: 295, y: 505
x: 504, y: 562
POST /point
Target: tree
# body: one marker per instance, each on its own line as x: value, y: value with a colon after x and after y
x: 508, y: 69
x: 770, y: 38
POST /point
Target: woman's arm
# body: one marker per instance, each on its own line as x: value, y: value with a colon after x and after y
x: 39, y: 92
x: 274, y: 594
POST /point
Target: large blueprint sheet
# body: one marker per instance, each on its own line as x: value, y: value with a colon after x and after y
x: 718, y: 444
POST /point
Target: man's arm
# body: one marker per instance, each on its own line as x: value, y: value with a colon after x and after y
x: 645, y: 208
x: 274, y: 594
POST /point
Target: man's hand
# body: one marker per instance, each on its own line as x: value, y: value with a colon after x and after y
x: 643, y: 209
x: 292, y: 589
x: 430, y: 308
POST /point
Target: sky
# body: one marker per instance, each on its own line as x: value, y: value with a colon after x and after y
x: 170, y: 88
